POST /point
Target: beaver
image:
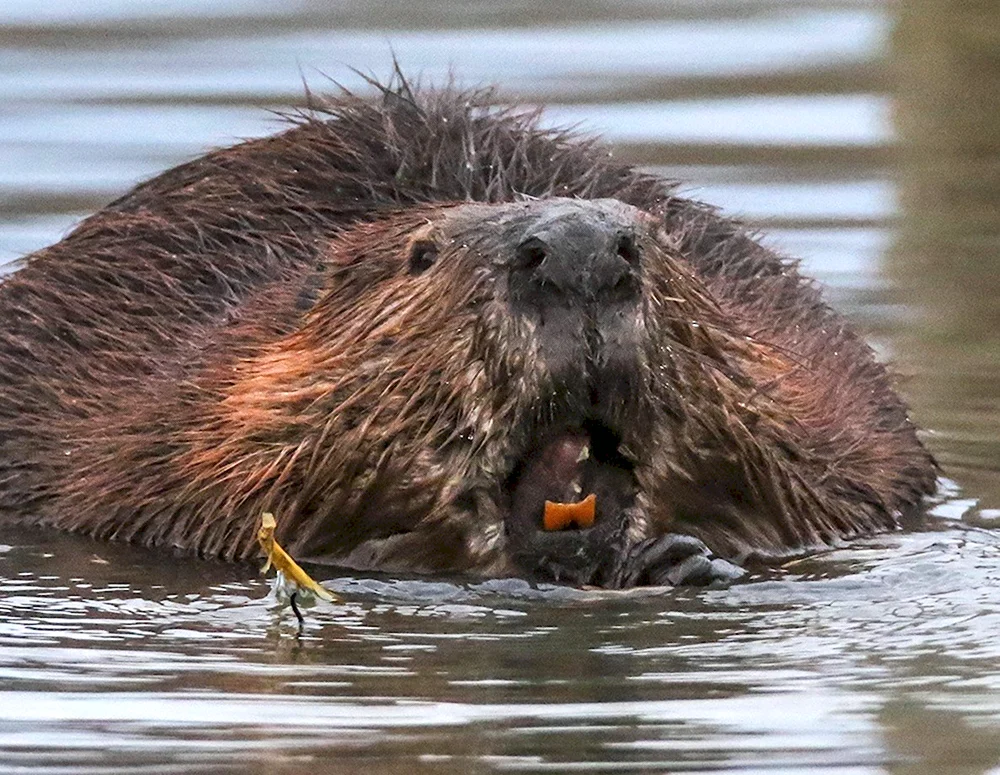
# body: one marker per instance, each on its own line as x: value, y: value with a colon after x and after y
x: 408, y: 322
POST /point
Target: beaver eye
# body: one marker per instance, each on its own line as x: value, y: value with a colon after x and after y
x: 423, y: 254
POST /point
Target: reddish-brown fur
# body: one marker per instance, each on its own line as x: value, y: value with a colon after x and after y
x: 242, y: 333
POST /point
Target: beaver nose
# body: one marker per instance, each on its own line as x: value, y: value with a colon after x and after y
x: 577, y: 257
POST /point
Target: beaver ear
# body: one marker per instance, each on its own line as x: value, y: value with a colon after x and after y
x: 423, y: 254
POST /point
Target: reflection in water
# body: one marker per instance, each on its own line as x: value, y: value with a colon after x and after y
x: 947, y: 65
x: 874, y: 658
x: 936, y: 738
x: 845, y: 663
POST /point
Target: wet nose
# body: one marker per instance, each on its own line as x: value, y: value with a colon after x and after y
x: 577, y: 257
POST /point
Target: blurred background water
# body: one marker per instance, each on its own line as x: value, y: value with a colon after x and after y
x: 860, y: 136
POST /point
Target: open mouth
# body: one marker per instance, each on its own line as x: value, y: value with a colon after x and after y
x: 573, y: 479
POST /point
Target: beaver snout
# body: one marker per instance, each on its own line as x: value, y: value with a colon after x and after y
x: 576, y: 278
x: 576, y: 256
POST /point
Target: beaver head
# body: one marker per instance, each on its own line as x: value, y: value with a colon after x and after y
x: 460, y: 366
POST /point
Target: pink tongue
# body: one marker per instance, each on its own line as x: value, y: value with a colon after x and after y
x: 552, y: 470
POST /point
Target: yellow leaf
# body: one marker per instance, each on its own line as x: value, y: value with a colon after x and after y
x: 283, y: 562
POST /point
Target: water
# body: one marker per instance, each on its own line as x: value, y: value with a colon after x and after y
x: 874, y: 658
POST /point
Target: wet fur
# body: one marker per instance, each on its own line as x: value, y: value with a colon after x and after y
x: 242, y: 333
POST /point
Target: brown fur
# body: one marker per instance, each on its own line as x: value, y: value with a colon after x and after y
x: 242, y: 334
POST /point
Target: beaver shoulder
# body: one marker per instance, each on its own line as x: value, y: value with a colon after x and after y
x: 405, y: 324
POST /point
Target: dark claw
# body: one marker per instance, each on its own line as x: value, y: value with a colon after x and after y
x: 674, y: 560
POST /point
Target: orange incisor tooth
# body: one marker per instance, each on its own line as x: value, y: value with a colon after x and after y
x: 560, y: 515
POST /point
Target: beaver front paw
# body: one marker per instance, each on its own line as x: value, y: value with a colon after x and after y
x: 674, y: 560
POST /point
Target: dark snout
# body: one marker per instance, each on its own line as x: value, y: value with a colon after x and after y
x: 575, y: 279
x: 575, y: 274
x: 576, y: 255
